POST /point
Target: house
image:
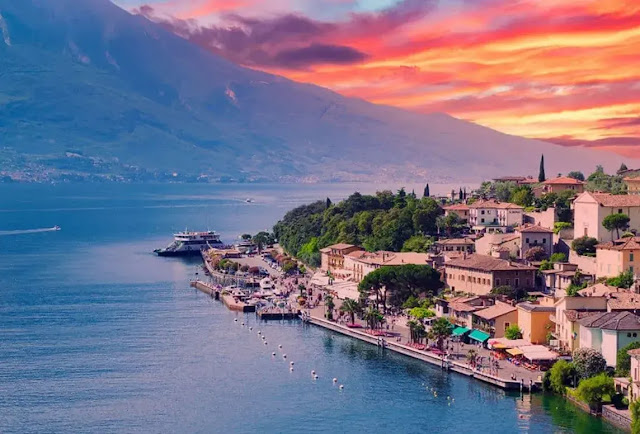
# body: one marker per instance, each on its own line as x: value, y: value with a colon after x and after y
x: 534, y: 319
x: 633, y: 184
x: 535, y: 236
x: 569, y: 310
x: 360, y: 263
x: 507, y: 244
x: 495, y: 319
x: 608, y: 332
x: 562, y: 275
x: 459, y: 310
x: 494, y: 216
x: 563, y: 183
x: 590, y: 209
x: 614, y: 257
x: 635, y: 374
x: 455, y: 245
x: 459, y: 209
x: 479, y: 274
x: 332, y: 257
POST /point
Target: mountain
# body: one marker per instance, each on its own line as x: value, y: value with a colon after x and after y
x: 88, y: 90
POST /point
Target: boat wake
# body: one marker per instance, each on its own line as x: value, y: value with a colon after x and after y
x: 29, y: 231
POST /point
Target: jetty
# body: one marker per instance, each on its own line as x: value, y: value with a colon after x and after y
x: 270, y: 315
x: 425, y: 356
x: 235, y: 304
x: 205, y: 287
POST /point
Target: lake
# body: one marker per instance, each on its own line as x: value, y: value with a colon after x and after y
x: 99, y: 335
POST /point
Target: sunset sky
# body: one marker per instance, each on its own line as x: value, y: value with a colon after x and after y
x: 562, y: 70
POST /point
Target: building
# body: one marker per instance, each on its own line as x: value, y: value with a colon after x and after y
x: 633, y: 184
x: 535, y: 236
x: 590, y: 209
x: 569, y: 310
x: 563, y: 183
x: 495, y: 319
x: 502, y: 244
x: 494, y: 216
x: 455, y: 245
x: 608, y: 332
x: 332, y: 257
x: 534, y: 319
x: 460, y: 310
x: 479, y: 274
x: 459, y: 209
x: 635, y: 374
x: 562, y: 275
x: 614, y: 257
x: 360, y: 263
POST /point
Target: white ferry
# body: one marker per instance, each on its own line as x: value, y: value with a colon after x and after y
x: 190, y: 243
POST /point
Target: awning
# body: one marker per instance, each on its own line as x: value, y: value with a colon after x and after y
x: 515, y: 352
x: 479, y: 336
x: 498, y: 346
x: 459, y: 331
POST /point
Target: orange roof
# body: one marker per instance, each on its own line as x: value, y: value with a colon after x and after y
x: 613, y: 200
x: 487, y: 263
x: 495, y: 311
x: 492, y: 203
x: 630, y: 243
x: 533, y: 228
x: 456, y: 207
x: 563, y: 180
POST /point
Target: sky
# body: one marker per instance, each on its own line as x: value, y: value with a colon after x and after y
x: 561, y: 70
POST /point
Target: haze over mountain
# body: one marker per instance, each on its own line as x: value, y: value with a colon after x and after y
x: 87, y: 88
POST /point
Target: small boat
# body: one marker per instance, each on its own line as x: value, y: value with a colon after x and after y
x: 57, y: 228
x: 249, y: 200
x: 267, y: 284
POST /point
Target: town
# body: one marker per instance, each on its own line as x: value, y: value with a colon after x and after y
x: 525, y: 282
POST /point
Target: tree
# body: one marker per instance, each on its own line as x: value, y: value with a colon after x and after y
x: 623, y: 167
x: 541, y: 175
x: 616, y: 222
x: 472, y: 355
x: 450, y: 223
x: 421, y: 313
x: 623, y: 280
x: 584, y: 246
x: 426, y: 191
x: 263, y: 239
x: 560, y: 374
x: 330, y: 305
x: 373, y: 317
x: 245, y: 236
x: 416, y: 330
x: 623, y: 360
x: 588, y: 362
x: 509, y: 292
x: 537, y: 253
x: 634, y: 409
x: 460, y: 194
x: 418, y: 243
x: 440, y: 330
x: 559, y: 226
x: 523, y: 196
x: 351, y: 307
x: 576, y: 175
x: 513, y: 332
x: 328, y: 203
x: 593, y: 390
x: 289, y: 267
x: 558, y: 257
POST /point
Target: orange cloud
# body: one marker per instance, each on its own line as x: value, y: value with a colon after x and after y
x: 538, y: 68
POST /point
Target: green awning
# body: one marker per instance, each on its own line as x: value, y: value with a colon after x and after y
x: 479, y: 336
x: 459, y: 331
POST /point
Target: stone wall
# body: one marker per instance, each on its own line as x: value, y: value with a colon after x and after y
x: 586, y: 264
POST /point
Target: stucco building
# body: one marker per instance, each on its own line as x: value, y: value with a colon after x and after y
x: 332, y: 257
x: 614, y: 257
x: 608, y: 332
x: 459, y: 209
x: 534, y: 319
x: 535, y: 236
x: 495, y: 319
x: 590, y: 209
x: 563, y: 183
x: 360, y: 263
x: 492, y: 215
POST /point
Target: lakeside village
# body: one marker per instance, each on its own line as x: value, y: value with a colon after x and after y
x: 526, y: 283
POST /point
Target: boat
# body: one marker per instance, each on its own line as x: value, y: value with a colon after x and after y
x: 267, y: 284
x: 190, y: 243
x: 245, y: 246
x: 249, y: 200
x: 57, y: 228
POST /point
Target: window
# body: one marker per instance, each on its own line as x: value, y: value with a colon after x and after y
x: 497, y: 282
x: 619, y: 210
x: 506, y: 326
x: 507, y: 282
x: 630, y: 257
x: 527, y: 240
x: 482, y: 220
x: 544, y: 241
x: 482, y: 212
x: 517, y: 282
x: 635, y: 335
x: 631, y: 269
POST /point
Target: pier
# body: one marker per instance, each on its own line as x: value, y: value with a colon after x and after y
x: 274, y: 315
x: 206, y: 288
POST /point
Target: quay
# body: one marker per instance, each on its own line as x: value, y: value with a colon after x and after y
x: 206, y: 288
x: 237, y: 305
x: 450, y: 365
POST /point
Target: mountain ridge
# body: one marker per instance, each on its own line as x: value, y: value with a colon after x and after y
x: 163, y: 108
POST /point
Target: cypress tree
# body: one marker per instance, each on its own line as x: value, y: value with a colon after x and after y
x: 328, y: 202
x: 426, y: 191
x: 460, y: 197
x: 622, y: 168
x: 541, y: 176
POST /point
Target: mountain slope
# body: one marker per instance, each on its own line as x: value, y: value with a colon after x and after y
x: 85, y: 87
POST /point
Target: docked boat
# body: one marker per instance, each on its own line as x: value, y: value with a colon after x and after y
x: 267, y: 284
x: 190, y: 243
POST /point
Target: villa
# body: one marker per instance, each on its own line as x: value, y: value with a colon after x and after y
x: 614, y: 257
x: 563, y: 183
x: 360, y: 263
x: 608, y: 332
x: 332, y: 257
x: 459, y: 209
x: 494, y: 216
x: 590, y: 209
x: 455, y: 245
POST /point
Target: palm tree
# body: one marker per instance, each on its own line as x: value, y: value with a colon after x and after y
x: 440, y: 330
x: 351, y: 307
x: 416, y: 330
x: 373, y: 317
x: 471, y: 356
x: 329, y: 304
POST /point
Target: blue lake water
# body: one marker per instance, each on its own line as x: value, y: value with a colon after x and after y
x: 99, y: 335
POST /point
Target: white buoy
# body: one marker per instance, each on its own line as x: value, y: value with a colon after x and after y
x: 264, y: 337
x: 273, y: 354
x: 341, y: 387
x: 315, y: 377
x: 242, y: 324
x: 259, y: 332
x: 235, y: 320
x: 265, y: 342
x: 290, y: 369
x: 284, y: 356
x: 250, y: 328
x: 313, y: 372
x: 291, y: 363
x: 335, y: 380
x: 280, y: 346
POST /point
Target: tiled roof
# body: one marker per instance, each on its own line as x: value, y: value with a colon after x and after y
x: 533, y: 228
x: 455, y: 242
x: 340, y: 246
x: 563, y: 180
x: 630, y: 243
x: 456, y: 207
x: 487, y: 263
x: 575, y: 315
x: 613, y: 200
x: 612, y: 321
x: 532, y: 307
x: 492, y: 203
x: 462, y: 307
x: 635, y: 352
x: 597, y: 290
x: 624, y: 300
x: 495, y: 311
x: 390, y: 258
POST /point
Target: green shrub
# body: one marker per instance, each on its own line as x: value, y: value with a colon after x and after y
x: 593, y: 390
x: 559, y: 375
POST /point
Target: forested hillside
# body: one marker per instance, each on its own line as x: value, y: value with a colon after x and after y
x: 385, y: 221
